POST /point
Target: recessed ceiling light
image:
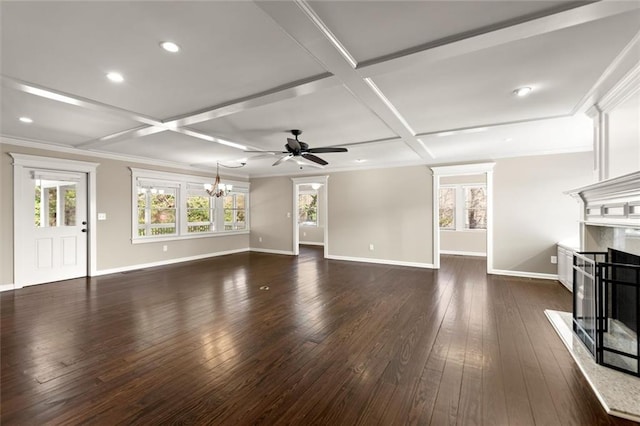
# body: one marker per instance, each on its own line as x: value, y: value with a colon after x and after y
x: 445, y: 133
x: 522, y: 91
x: 116, y: 77
x: 360, y: 160
x: 26, y: 120
x: 170, y: 46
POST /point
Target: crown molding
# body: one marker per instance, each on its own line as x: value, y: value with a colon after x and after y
x: 66, y: 149
x: 624, y: 89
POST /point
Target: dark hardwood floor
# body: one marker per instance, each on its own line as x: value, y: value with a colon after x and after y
x: 330, y: 343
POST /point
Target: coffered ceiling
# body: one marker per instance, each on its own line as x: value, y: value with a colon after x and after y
x: 397, y: 82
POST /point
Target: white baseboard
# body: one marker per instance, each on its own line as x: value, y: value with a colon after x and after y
x: 464, y: 253
x: 166, y: 262
x: 270, y: 251
x: 381, y: 261
x: 7, y: 287
x: 524, y: 274
x: 311, y: 243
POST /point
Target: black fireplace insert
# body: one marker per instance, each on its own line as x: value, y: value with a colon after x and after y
x: 606, y: 303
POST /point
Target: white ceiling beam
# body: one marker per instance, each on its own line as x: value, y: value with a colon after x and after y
x: 138, y: 132
x: 45, y: 92
x: 301, y: 23
x: 439, y: 51
x: 292, y: 90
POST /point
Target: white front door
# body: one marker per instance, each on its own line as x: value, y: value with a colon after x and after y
x: 53, y: 226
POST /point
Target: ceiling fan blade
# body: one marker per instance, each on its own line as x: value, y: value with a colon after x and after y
x: 327, y: 149
x: 265, y: 152
x: 306, y: 163
x: 263, y: 155
x: 293, y: 144
x: 283, y: 159
x: 313, y: 158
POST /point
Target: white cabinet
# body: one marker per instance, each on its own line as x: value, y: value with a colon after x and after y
x: 565, y: 266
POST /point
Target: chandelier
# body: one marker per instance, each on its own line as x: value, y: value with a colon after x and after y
x: 220, y: 189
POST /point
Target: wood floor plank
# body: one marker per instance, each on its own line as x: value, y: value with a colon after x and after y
x: 331, y: 342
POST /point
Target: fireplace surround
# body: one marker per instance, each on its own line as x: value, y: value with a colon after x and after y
x: 606, y: 307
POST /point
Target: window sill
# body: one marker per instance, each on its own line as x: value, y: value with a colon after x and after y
x: 187, y: 237
x: 463, y: 230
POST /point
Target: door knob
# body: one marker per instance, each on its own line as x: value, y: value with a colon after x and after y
x: 84, y: 222
x: 84, y: 230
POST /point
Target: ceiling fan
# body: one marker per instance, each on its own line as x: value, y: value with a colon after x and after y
x: 297, y: 148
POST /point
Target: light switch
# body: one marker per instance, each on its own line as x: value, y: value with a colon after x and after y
x: 102, y: 216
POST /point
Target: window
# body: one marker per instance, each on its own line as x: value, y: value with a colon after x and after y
x: 475, y: 207
x: 234, y: 212
x: 156, y: 211
x: 308, y: 208
x: 448, y: 208
x: 463, y: 207
x: 172, y: 206
x: 200, y: 210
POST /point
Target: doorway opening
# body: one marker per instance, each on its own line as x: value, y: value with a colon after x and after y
x: 463, y: 211
x: 310, y: 207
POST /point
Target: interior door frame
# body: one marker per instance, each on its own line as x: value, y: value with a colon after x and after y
x: 324, y: 208
x: 22, y: 161
x: 460, y: 170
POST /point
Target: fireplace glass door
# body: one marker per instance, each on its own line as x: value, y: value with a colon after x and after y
x: 584, y: 297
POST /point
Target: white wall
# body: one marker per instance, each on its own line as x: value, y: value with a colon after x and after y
x: 463, y: 242
x: 271, y: 214
x: 531, y: 214
x: 114, y: 247
x: 531, y: 211
x: 311, y: 235
x: 624, y: 137
x: 389, y: 208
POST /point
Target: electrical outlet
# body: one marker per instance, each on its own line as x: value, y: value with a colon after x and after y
x: 165, y: 248
x: 554, y: 259
x: 260, y: 239
x: 370, y: 247
x: 304, y: 234
x: 102, y: 216
x: 289, y: 214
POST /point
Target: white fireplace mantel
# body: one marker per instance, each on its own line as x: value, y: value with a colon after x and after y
x: 611, y: 202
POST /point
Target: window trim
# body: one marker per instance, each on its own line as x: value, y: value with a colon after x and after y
x: 183, y: 184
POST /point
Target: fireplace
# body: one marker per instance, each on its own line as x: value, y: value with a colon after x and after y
x: 606, y: 306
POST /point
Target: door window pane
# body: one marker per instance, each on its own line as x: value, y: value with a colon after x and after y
x: 54, y: 203
x: 69, y: 196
